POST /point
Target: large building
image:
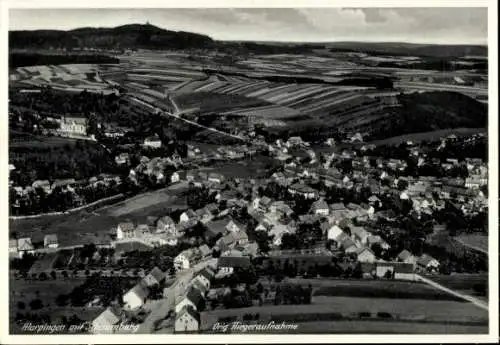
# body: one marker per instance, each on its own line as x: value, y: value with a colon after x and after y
x: 73, y: 126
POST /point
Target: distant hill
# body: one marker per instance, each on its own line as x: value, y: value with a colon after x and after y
x: 409, y: 49
x: 418, y: 112
x: 126, y: 36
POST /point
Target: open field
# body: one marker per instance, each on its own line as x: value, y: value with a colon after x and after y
x: 36, y: 141
x: 475, y: 241
x: 383, y: 289
x: 84, y: 227
x: 461, y: 282
x: 427, y: 136
x: 27, y: 290
x: 256, y: 167
x: 71, y: 77
x: 348, y: 309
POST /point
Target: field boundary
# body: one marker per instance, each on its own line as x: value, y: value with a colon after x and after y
x: 73, y: 210
x: 468, y: 298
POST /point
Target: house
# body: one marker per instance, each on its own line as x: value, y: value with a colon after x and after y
x: 13, y: 248
x: 280, y: 208
x: 187, y: 215
x: 398, y: 270
x: 320, y: 207
x: 165, y: 224
x: 262, y: 204
x: 216, y: 228
x: 348, y: 246
x: 125, y: 230
x: 205, y: 251
x: 407, y: 257
x: 187, y: 320
x: 332, y: 232
x: 234, y: 226
x: 277, y: 232
x: 155, y: 277
x: 204, y: 215
x: 184, y: 259
x: 376, y: 239
x: 359, y: 235
x: 365, y: 255
x: 152, y: 142
x: 73, y: 126
x: 215, y: 178
x: 105, y: 321
x: 136, y: 297
x: 175, y: 177
x: 24, y: 246
x: 303, y: 190
x: 428, y: 262
x: 50, y: 241
x: 227, y: 264
x: 193, y: 298
x: 44, y: 184
x: 205, y: 277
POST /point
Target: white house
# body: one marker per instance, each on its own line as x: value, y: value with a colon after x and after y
x: 187, y: 216
x: 187, y: 320
x: 152, y: 142
x: 320, y: 207
x: 50, y: 241
x: 155, y: 277
x: 227, y: 264
x: 175, y: 177
x: 104, y: 323
x: 366, y: 255
x: 407, y: 257
x: 193, y: 298
x: 24, y: 246
x: 136, y: 297
x: 165, y: 224
x: 125, y: 230
x: 183, y: 260
x: 428, y: 262
x: 205, y: 277
x: 13, y: 248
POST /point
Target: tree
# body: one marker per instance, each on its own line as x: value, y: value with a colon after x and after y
x: 53, y: 275
x: 36, y: 304
x: 21, y: 305
x: 62, y: 300
x: 402, y: 184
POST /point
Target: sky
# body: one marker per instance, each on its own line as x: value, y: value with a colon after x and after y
x: 415, y: 25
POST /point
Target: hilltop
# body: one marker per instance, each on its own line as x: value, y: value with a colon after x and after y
x: 126, y: 36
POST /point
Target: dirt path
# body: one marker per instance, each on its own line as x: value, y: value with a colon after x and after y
x: 468, y: 298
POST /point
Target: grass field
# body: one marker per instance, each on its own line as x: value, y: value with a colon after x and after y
x: 346, y: 309
x: 428, y: 136
x: 462, y: 282
x: 33, y: 141
x: 478, y: 241
x: 256, y: 167
x: 384, y: 289
x: 84, y: 227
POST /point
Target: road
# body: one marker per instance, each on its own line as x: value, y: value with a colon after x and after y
x: 160, y: 309
x: 177, y: 116
x: 481, y: 250
x: 468, y: 298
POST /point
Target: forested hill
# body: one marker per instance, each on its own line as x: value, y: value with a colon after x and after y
x: 126, y: 36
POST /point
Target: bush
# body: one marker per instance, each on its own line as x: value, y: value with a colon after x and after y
x: 384, y: 315
x: 364, y: 314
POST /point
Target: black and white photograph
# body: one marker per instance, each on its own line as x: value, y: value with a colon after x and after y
x: 250, y: 171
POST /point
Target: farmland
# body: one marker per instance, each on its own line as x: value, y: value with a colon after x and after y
x: 70, y: 78
x: 464, y: 283
x: 475, y: 241
x: 347, y: 311
x: 81, y: 228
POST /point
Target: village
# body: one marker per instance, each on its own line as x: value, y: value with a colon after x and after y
x: 345, y: 213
